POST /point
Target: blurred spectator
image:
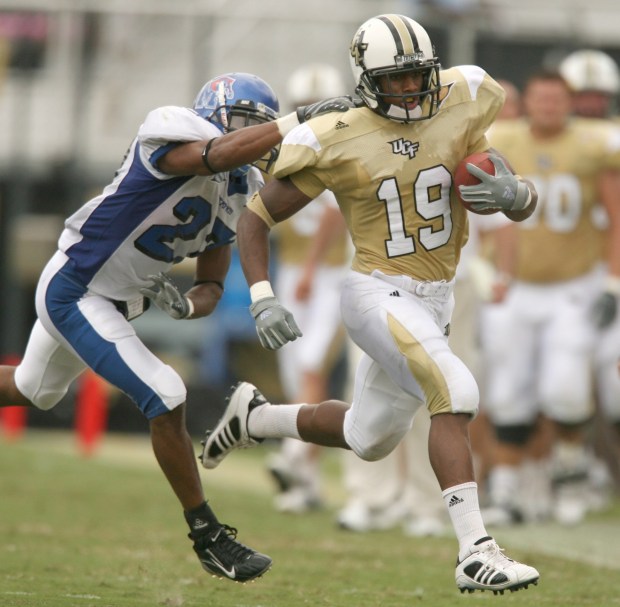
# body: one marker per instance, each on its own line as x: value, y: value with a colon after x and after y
x: 540, y: 353
x: 594, y: 78
x: 312, y: 259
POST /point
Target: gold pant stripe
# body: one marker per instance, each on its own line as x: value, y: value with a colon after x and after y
x: 423, y: 368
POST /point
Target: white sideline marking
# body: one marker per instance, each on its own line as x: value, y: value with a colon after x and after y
x: 587, y: 542
x: 18, y: 593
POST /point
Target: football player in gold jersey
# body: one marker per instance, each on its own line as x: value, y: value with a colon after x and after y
x: 558, y: 283
x: 390, y: 164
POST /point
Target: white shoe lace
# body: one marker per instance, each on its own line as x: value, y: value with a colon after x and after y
x: 496, y: 557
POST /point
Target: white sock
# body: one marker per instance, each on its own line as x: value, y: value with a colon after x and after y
x: 464, y: 511
x: 274, y: 421
x: 504, y: 486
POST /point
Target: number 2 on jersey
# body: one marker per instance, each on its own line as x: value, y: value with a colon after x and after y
x: 194, y: 214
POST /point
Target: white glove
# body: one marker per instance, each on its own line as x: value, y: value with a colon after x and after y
x: 167, y: 297
x: 502, y: 191
x: 275, y: 325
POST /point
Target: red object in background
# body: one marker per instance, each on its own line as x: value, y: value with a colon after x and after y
x: 91, y: 411
x: 12, y: 419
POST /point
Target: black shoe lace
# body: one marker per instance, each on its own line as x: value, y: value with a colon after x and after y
x: 228, y: 541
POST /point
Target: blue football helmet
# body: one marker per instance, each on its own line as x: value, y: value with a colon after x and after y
x: 235, y: 100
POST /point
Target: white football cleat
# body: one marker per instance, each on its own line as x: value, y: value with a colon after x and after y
x: 231, y: 431
x: 488, y: 568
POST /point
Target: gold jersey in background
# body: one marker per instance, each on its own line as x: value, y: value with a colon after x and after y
x: 393, y: 181
x: 562, y: 239
x: 295, y: 236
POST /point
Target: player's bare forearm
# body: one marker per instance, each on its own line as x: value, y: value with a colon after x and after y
x: 211, y: 269
x: 225, y: 153
x: 280, y: 199
x: 253, y: 240
x: 609, y: 194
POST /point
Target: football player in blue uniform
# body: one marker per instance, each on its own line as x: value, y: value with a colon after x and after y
x: 178, y: 193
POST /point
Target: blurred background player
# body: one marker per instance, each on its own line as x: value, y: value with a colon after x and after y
x: 482, y: 280
x: 513, y: 106
x: 594, y: 78
x: 312, y: 259
x: 541, y: 353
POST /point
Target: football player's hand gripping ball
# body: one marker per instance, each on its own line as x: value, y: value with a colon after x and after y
x: 167, y: 297
x: 502, y: 191
x: 275, y: 325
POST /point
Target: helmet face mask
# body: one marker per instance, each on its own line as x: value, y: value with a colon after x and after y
x: 235, y: 100
x: 394, y: 47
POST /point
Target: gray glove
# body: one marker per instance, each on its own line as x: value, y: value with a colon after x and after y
x: 325, y: 106
x: 604, y: 310
x: 502, y: 191
x: 275, y: 325
x: 167, y: 297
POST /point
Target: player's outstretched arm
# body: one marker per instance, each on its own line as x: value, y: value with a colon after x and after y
x: 243, y: 146
x: 278, y: 200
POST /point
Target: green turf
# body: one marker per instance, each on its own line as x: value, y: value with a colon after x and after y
x: 107, y: 531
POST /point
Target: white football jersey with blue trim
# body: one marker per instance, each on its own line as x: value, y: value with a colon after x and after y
x: 145, y: 221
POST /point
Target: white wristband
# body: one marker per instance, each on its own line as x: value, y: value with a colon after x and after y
x: 261, y: 290
x: 190, y: 305
x: 526, y: 203
x: 287, y: 123
x: 612, y: 284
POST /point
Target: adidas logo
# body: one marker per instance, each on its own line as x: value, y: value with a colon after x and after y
x: 508, y: 193
x: 341, y: 125
x: 394, y: 294
x: 454, y: 500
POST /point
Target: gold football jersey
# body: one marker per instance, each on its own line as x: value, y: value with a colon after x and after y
x: 393, y: 181
x: 561, y: 240
x: 295, y: 235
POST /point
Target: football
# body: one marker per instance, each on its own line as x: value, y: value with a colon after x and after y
x: 463, y: 177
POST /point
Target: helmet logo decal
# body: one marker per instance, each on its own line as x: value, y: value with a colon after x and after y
x: 215, y: 95
x: 223, y: 86
x: 404, y: 147
x: 358, y: 47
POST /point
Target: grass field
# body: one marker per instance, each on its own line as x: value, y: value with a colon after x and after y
x: 107, y: 532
